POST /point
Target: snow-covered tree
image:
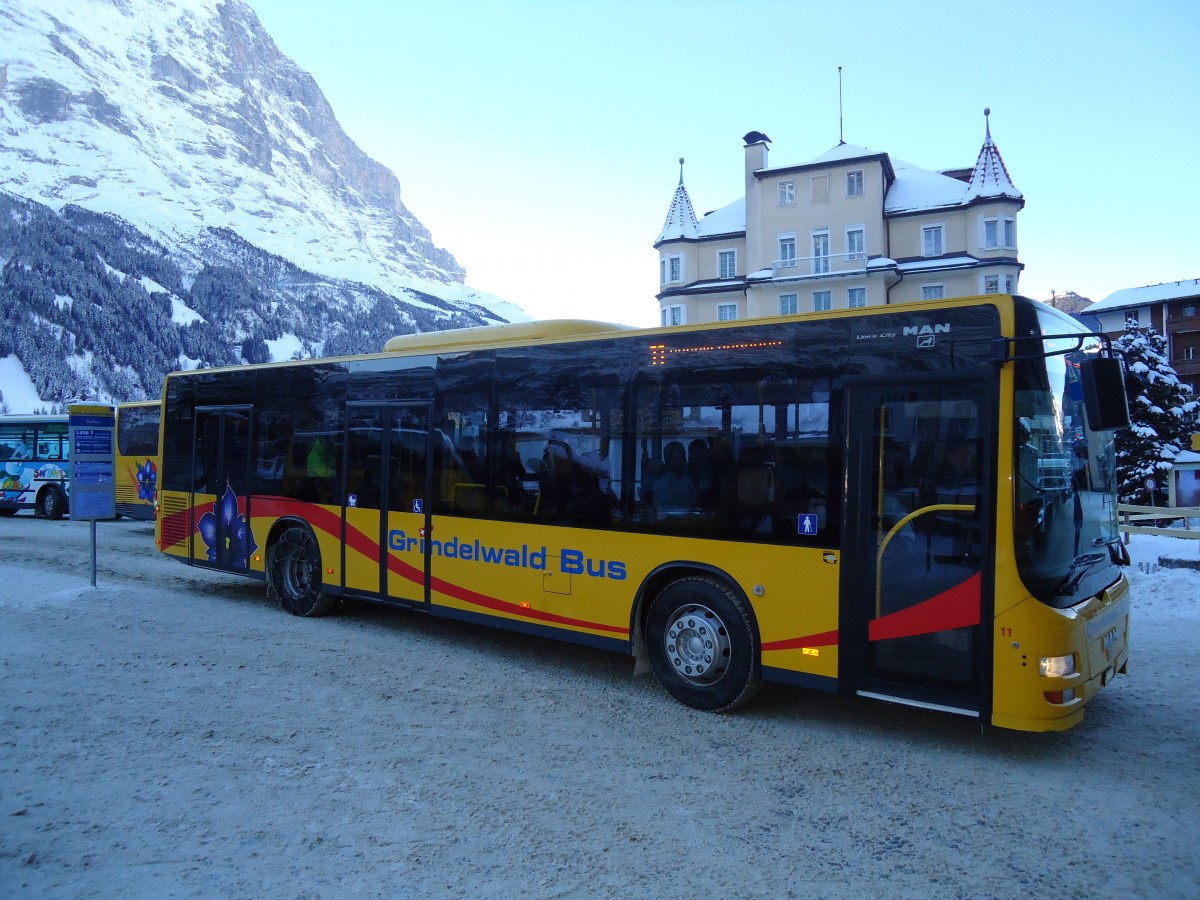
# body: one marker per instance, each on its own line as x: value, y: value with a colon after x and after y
x: 1162, y: 417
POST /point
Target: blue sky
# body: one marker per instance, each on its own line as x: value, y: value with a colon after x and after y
x: 539, y: 141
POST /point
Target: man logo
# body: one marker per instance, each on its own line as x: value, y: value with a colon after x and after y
x: 922, y: 330
x: 926, y: 335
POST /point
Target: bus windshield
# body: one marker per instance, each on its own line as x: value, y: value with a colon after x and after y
x: 1065, y: 534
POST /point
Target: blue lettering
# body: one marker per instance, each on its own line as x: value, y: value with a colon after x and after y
x: 572, y: 562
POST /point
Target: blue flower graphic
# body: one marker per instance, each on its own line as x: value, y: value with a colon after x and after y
x: 239, y: 539
x: 147, y: 479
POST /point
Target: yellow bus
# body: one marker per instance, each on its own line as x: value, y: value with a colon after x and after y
x: 913, y: 503
x: 137, y: 461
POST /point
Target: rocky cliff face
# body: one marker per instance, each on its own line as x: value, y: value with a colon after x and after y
x: 175, y: 192
x: 182, y: 114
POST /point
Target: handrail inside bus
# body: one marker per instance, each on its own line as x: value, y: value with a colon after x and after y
x: 935, y: 507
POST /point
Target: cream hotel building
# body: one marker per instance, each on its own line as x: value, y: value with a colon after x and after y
x: 853, y: 227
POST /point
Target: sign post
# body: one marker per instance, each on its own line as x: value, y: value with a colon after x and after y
x: 92, y: 432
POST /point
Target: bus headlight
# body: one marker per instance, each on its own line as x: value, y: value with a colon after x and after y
x: 1057, y: 666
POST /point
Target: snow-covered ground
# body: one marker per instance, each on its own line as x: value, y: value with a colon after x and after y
x: 171, y: 733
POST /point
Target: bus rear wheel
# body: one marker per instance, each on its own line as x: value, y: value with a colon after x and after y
x: 51, y: 503
x: 702, y: 644
x: 294, y: 574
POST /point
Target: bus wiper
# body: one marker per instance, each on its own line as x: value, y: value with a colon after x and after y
x: 1116, y: 550
x: 1080, y: 566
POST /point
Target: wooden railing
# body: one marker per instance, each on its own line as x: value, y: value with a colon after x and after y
x: 1130, y: 517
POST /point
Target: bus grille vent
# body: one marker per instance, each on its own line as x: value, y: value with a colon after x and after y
x: 173, y: 515
x: 126, y: 493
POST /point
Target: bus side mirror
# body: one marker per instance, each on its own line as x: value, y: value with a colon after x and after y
x: 1104, y: 395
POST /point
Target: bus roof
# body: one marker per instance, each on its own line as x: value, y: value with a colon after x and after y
x: 465, y: 338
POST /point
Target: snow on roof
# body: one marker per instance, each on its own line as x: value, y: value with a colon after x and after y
x: 990, y: 177
x: 842, y: 152
x: 941, y: 262
x: 916, y: 188
x: 1151, y: 293
x: 729, y: 219
x: 681, y: 217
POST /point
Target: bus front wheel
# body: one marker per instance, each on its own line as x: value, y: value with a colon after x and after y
x: 294, y: 574
x: 702, y: 644
x: 51, y: 503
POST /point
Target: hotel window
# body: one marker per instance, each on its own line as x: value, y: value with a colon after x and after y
x: 726, y: 312
x: 820, y: 187
x: 856, y: 242
x: 822, y: 300
x: 671, y: 269
x: 726, y: 263
x: 991, y: 234
x: 787, y: 251
x: 1189, y: 353
x: 991, y: 284
x: 854, y: 183
x: 1189, y: 309
x: 673, y: 315
x: 820, y: 252
x: 933, y: 291
x: 787, y: 193
x: 1010, y: 233
x: 856, y: 297
x: 789, y: 304
x: 931, y: 240
x: 1131, y: 316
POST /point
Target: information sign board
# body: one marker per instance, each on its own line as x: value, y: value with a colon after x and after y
x: 93, y: 461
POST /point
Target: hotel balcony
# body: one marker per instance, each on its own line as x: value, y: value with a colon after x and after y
x: 819, y: 266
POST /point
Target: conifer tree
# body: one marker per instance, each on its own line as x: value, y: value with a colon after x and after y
x: 1162, y: 417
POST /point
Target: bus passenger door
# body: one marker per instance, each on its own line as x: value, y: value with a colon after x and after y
x: 220, y: 501
x: 919, y: 543
x: 386, y: 512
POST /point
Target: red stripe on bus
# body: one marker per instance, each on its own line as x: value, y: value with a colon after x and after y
x: 824, y: 639
x: 331, y: 523
x: 957, y: 607
x: 476, y: 599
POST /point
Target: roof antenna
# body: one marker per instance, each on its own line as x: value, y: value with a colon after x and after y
x: 681, y: 170
x: 841, y: 135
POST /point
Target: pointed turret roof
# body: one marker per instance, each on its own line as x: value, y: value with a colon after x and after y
x: 990, y: 177
x: 681, y: 217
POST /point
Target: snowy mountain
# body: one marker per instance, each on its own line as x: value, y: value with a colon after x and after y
x: 183, y: 119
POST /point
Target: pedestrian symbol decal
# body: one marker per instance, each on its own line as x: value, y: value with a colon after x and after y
x: 807, y: 524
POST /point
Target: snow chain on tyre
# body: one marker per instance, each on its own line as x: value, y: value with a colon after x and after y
x: 294, y: 574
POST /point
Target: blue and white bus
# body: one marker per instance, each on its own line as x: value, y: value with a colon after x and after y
x: 35, y: 465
